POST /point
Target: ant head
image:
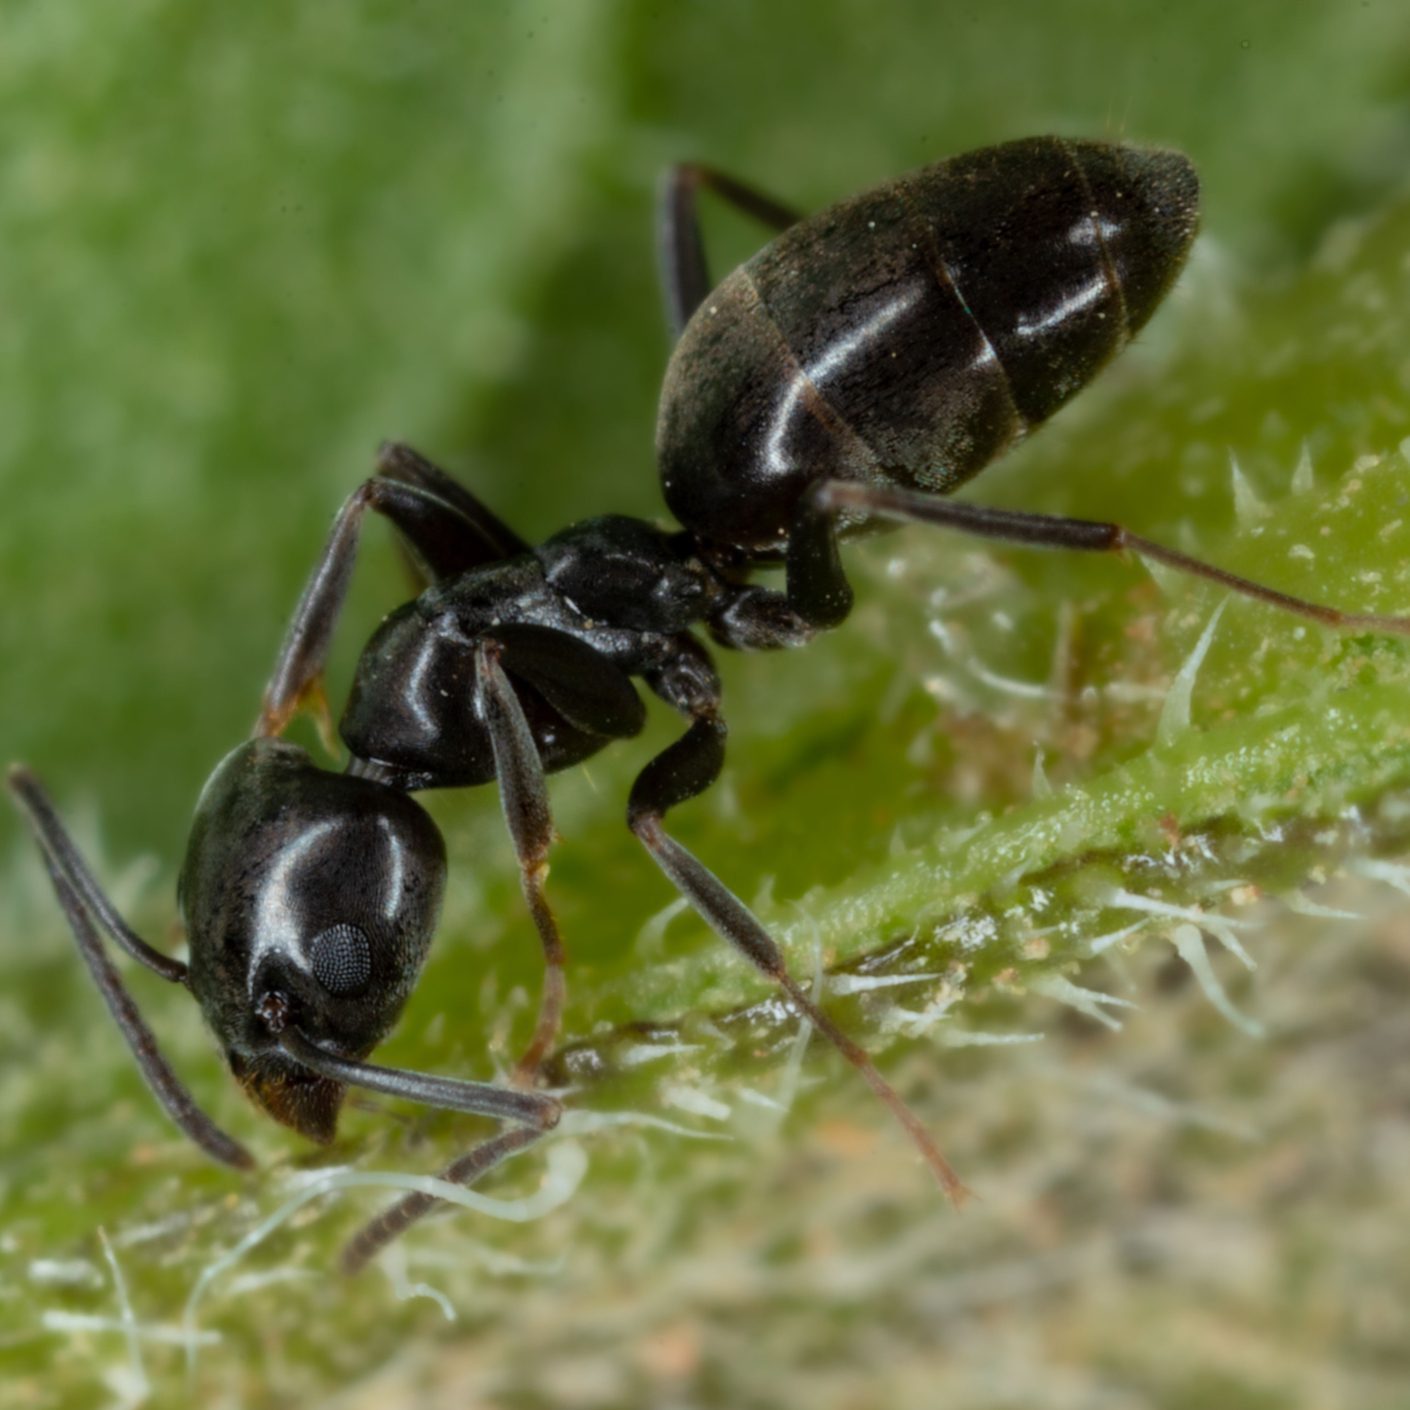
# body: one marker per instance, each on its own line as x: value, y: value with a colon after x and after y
x: 310, y: 899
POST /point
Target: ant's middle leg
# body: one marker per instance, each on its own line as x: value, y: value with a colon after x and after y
x: 685, y: 769
x: 809, y: 579
x: 685, y: 273
x: 447, y: 531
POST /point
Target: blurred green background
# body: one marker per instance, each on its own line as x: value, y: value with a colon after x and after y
x: 239, y: 247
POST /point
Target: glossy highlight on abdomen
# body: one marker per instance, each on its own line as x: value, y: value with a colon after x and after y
x: 911, y: 334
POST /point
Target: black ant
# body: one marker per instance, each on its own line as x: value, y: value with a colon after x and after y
x: 870, y: 360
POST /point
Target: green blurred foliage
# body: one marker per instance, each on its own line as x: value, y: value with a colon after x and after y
x: 241, y: 246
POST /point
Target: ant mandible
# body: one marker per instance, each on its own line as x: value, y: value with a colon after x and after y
x: 870, y: 360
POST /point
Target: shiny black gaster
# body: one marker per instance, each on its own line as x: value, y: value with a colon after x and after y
x: 911, y: 334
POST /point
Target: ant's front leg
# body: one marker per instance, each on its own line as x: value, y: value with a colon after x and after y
x: 538, y: 1112
x: 447, y: 544
x: 447, y: 530
x: 814, y: 581
x: 523, y: 793
x: 592, y: 695
x: 397, y: 1218
x: 685, y: 769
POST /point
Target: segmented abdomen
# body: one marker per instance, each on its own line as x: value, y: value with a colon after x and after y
x: 912, y: 333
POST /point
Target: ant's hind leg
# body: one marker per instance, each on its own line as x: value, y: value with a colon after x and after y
x: 1058, y: 531
x: 685, y: 273
x: 817, y: 598
x: 446, y: 530
x: 685, y: 769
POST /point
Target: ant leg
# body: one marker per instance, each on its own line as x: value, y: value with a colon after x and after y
x: 441, y: 541
x: 683, y: 770
x: 685, y: 273
x: 523, y: 794
x: 539, y: 1112
x: 445, y: 535
x: 1057, y: 531
x: 579, y: 682
x: 83, y: 902
x: 818, y: 590
x: 448, y: 1093
x: 591, y: 694
x: 818, y: 596
x: 397, y: 1218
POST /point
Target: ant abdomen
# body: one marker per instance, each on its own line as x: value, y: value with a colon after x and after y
x: 911, y: 334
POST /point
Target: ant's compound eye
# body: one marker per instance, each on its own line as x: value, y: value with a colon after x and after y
x: 342, y: 959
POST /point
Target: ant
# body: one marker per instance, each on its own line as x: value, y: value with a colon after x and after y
x: 867, y: 362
